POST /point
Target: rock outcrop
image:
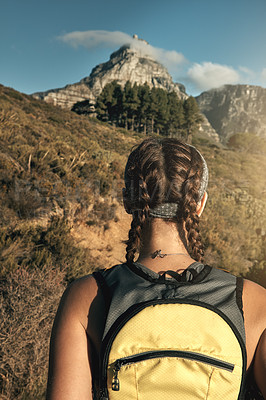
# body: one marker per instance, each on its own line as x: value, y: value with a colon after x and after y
x: 125, y: 64
x: 67, y: 96
x: 235, y: 109
x: 208, y: 130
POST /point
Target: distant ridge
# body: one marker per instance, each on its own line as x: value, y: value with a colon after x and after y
x: 233, y: 109
x: 227, y: 110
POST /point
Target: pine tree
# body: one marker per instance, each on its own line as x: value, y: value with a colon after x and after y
x: 180, y: 118
x: 101, y: 108
x: 144, y: 102
x: 133, y: 102
x: 152, y: 109
x: 176, y: 117
x: 106, y: 102
x: 126, y: 103
x: 162, y: 110
x: 193, y: 117
x: 117, y: 108
x: 139, y: 107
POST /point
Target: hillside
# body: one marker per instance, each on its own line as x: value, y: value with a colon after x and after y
x: 62, y: 217
x: 56, y: 163
x: 60, y: 185
x: 233, y: 109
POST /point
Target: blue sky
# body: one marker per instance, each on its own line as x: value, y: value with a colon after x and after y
x: 203, y: 43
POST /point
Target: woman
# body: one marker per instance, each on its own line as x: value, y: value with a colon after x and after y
x: 165, y: 191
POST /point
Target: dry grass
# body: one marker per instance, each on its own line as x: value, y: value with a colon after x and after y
x: 28, y: 304
x: 58, y: 167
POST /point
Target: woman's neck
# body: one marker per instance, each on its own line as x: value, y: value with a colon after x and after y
x: 169, y: 238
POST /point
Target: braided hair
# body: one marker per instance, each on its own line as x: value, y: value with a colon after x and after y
x: 162, y: 171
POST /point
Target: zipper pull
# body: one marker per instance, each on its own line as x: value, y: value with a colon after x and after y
x: 103, y: 395
x: 115, y: 381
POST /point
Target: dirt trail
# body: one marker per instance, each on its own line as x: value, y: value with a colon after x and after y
x: 105, y: 244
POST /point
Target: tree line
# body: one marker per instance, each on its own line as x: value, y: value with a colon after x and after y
x: 149, y: 110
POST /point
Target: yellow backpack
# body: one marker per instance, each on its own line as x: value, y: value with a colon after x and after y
x: 172, y: 338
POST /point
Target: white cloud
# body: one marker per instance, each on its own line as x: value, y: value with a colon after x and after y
x: 166, y: 57
x: 263, y: 74
x: 246, y: 72
x: 208, y: 75
x: 91, y: 39
x: 100, y: 38
x: 198, y: 76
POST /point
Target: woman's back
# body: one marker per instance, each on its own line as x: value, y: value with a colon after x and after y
x: 165, y: 193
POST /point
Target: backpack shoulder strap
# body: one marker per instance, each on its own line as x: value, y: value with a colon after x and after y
x: 239, y: 293
x: 102, y: 285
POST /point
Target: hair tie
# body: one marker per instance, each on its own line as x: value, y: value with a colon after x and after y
x: 165, y: 210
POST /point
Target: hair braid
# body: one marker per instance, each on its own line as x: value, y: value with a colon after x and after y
x: 139, y: 218
x: 133, y: 241
x: 189, y: 210
x: 162, y: 171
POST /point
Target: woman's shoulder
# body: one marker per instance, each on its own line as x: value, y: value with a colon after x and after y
x: 254, y: 305
x: 254, y: 297
x: 80, y: 287
x: 78, y: 298
x: 253, y: 286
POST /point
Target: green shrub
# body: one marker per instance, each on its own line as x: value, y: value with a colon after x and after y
x: 38, y: 246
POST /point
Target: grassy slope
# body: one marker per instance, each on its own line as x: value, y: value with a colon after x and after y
x: 235, y: 216
x: 56, y: 162
x: 57, y: 169
x: 53, y: 162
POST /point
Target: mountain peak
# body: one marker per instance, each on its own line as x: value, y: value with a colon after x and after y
x: 132, y: 62
x: 137, y: 38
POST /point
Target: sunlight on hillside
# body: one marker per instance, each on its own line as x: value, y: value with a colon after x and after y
x: 62, y: 217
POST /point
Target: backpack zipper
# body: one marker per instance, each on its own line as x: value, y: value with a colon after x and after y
x: 148, y: 355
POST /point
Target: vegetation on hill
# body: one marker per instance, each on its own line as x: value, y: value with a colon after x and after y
x: 144, y: 109
x: 58, y: 169
x: 54, y: 166
x: 233, y: 224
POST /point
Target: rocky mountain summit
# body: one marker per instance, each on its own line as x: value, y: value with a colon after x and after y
x: 126, y: 64
x: 227, y: 110
x: 235, y: 109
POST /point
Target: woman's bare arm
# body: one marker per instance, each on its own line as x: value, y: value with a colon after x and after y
x: 69, y: 366
x: 254, y: 304
x: 260, y: 364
